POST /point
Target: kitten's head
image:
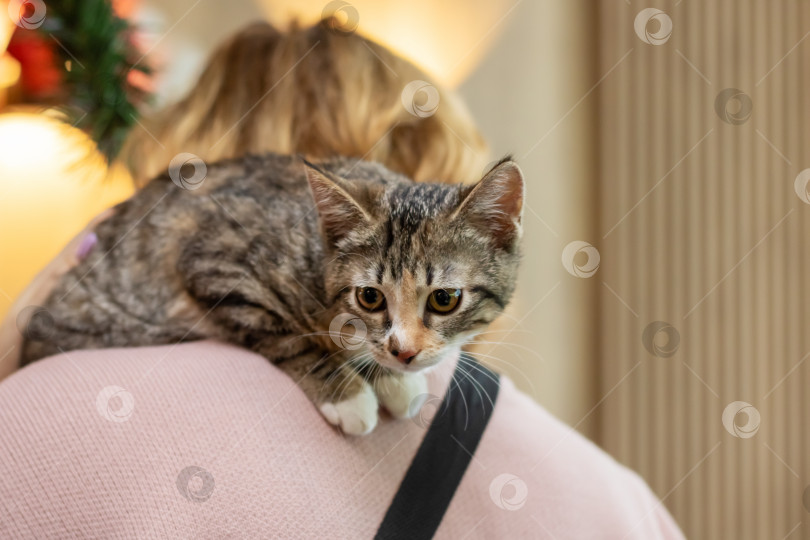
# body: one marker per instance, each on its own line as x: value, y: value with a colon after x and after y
x: 425, y: 266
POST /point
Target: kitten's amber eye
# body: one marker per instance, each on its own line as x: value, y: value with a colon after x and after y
x: 370, y: 298
x: 444, y: 300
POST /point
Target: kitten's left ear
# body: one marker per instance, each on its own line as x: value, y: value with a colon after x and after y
x: 495, y: 204
x: 339, y: 211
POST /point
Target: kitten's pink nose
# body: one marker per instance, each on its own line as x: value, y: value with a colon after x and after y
x: 405, y: 356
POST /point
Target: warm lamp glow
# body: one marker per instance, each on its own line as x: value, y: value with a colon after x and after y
x: 6, y: 26
x: 9, y: 71
x: 52, y: 182
x: 23, y: 139
x: 447, y: 38
x: 9, y: 67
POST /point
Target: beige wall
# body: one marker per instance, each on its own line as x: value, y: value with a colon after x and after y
x: 530, y: 97
x: 701, y: 228
x: 699, y: 225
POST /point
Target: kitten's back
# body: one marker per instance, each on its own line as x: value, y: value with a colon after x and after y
x: 247, y: 232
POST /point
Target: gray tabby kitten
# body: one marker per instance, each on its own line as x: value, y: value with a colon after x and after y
x: 284, y: 257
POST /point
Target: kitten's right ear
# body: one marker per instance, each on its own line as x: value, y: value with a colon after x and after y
x: 339, y: 211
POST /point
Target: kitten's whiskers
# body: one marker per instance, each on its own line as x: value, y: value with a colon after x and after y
x: 463, y: 399
x: 479, y: 388
x: 495, y: 359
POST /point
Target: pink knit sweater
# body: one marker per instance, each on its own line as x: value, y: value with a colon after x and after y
x: 206, y: 440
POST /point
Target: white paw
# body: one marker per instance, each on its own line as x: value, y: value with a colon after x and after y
x: 403, y: 395
x: 356, y: 415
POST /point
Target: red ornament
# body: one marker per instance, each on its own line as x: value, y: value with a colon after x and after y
x: 40, y: 75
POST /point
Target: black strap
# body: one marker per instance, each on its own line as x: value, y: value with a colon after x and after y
x: 446, y: 451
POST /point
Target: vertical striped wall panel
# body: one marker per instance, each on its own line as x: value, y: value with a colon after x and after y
x: 705, y: 243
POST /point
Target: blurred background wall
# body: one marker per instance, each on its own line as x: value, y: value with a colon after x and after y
x: 703, y: 231
x: 661, y: 308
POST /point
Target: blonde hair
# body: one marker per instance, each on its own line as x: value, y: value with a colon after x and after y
x: 319, y: 92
